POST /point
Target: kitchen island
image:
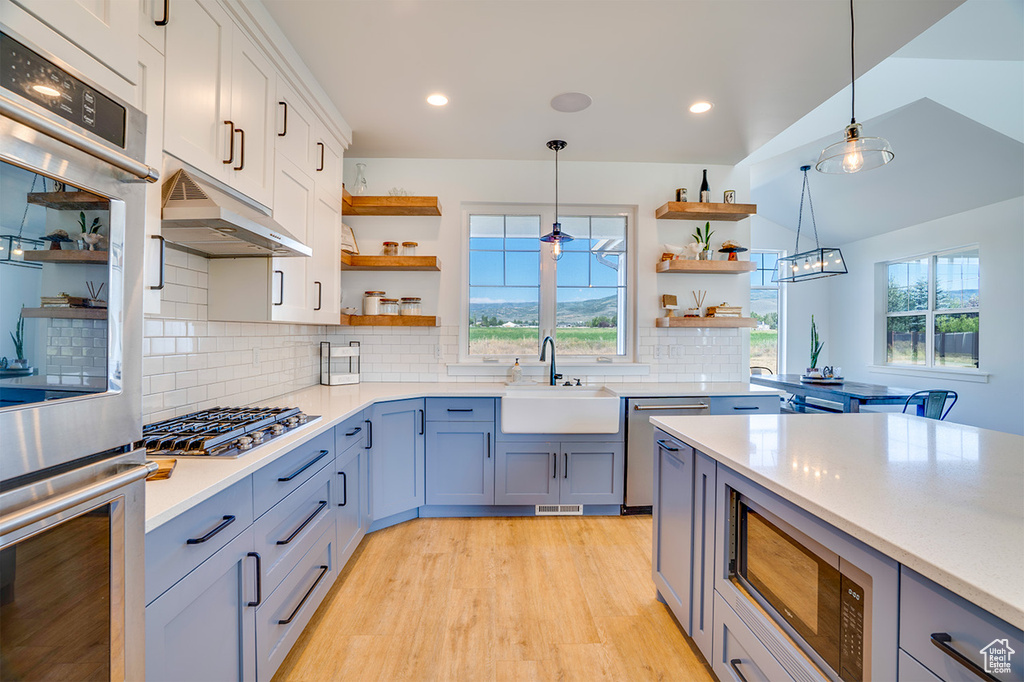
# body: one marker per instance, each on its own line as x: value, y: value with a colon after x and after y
x: 940, y: 502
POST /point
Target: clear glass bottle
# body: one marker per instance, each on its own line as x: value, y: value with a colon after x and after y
x: 411, y: 306
x: 389, y: 306
x: 360, y: 185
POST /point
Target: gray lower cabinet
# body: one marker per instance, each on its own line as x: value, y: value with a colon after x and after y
x: 460, y: 462
x: 397, y: 480
x: 204, y: 627
x: 702, y: 567
x: 352, y: 495
x: 738, y: 655
x: 671, y: 553
x: 548, y: 472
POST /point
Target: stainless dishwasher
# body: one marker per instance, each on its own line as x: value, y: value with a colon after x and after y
x: 640, y: 444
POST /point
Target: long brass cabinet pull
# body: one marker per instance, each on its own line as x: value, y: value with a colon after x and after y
x: 167, y: 14
x: 231, y: 142
x: 323, y: 453
x: 320, y: 508
x: 942, y: 641
x: 323, y: 572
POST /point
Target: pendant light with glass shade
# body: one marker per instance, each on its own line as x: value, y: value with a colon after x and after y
x: 556, y: 237
x: 809, y: 264
x: 855, y: 153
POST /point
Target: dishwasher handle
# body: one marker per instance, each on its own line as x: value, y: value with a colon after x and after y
x: 645, y: 408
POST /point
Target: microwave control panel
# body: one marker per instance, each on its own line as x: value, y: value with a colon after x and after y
x: 851, y: 631
x: 27, y: 74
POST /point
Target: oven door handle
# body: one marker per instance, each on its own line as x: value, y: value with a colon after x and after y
x: 29, y: 118
x: 55, y: 505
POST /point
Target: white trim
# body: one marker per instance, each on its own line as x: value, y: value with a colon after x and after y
x: 568, y: 369
x: 971, y: 375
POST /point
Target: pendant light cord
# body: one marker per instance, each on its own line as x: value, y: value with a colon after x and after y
x: 806, y: 191
x: 556, y: 186
x: 853, y: 77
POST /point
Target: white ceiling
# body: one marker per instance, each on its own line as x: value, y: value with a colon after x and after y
x: 764, y: 64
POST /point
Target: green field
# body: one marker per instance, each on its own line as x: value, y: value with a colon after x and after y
x: 512, y: 340
x: 764, y: 349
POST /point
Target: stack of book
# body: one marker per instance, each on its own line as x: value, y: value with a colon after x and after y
x: 725, y: 311
x: 62, y: 301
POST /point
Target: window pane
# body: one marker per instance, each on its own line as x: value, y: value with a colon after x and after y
x: 956, y: 280
x: 755, y: 278
x: 503, y: 320
x: 905, y: 339
x: 764, y: 341
x: 908, y: 286
x: 522, y: 268
x: 956, y: 340
x: 493, y: 244
x: 522, y: 232
x: 604, y: 269
x: 587, y: 319
x: 577, y: 227
x: 574, y: 270
x: 769, y: 261
x: 487, y: 226
x: 486, y: 268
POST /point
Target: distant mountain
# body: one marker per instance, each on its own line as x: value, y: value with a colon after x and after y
x: 763, y: 301
x: 573, y: 312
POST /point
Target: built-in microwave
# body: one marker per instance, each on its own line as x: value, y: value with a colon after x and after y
x: 821, y: 600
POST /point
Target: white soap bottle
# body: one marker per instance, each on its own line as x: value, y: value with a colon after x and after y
x: 516, y: 373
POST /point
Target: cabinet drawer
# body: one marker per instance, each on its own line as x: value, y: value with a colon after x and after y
x: 271, y: 483
x: 350, y: 433
x: 928, y: 609
x: 288, y: 530
x: 912, y: 671
x: 283, y: 615
x: 460, y: 409
x: 189, y: 539
x: 738, y: 655
x: 747, y: 404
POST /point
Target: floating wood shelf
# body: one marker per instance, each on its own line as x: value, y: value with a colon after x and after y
x: 388, y: 320
x: 708, y: 267
x: 66, y: 313
x: 693, y: 210
x: 704, y: 322
x: 417, y: 263
x: 69, y: 201
x: 399, y: 206
x: 69, y: 256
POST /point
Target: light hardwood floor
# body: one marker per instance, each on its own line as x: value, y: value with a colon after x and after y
x: 517, y: 599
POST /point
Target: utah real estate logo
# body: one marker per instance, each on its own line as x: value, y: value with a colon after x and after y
x: 997, y: 657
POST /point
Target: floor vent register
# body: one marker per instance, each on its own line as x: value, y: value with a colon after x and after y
x: 559, y: 510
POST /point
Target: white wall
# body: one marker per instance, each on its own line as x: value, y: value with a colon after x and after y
x: 847, y: 305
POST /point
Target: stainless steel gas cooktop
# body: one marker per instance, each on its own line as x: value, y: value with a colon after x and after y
x: 221, y: 431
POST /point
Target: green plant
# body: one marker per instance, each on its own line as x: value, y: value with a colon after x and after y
x: 816, y: 344
x: 92, y: 229
x: 18, y: 336
x: 704, y: 238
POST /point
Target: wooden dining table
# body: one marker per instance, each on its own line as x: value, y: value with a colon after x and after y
x: 849, y: 394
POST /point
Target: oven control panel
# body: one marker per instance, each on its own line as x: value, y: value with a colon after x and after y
x: 27, y: 74
x: 851, y: 631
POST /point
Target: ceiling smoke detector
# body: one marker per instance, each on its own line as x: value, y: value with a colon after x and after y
x: 571, y: 102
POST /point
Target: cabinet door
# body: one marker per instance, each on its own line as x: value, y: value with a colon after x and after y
x: 253, y: 83
x: 738, y: 655
x: 150, y: 99
x: 198, y: 95
x: 352, y: 501
x: 460, y: 463
x: 106, y: 29
x: 293, y: 208
x: 673, y: 524
x: 324, y: 271
x: 592, y: 473
x: 397, y: 462
x: 703, y: 577
x: 327, y: 159
x: 151, y: 12
x: 526, y: 473
x: 293, y: 129
x: 204, y: 628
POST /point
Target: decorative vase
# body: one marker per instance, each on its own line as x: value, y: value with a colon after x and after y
x: 92, y: 240
x: 704, y: 255
x: 360, y: 179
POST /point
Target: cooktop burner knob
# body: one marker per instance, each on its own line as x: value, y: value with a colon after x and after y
x: 302, y: 417
x: 257, y: 437
x: 244, y: 443
x: 277, y: 429
x: 291, y: 422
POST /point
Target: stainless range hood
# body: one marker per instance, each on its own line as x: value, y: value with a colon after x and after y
x: 204, y: 218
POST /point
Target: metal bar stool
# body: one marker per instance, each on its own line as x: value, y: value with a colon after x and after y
x: 934, y: 403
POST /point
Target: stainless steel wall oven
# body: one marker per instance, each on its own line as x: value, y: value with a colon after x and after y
x: 71, y: 477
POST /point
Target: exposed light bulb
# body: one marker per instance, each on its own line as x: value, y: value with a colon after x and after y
x: 17, y: 252
x: 556, y: 250
x: 853, y: 159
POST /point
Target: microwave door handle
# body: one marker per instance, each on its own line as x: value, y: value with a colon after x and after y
x: 942, y: 641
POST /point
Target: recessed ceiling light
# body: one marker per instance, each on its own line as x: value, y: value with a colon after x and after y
x: 437, y: 99
x: 571, y: 102
x: 701, y: 107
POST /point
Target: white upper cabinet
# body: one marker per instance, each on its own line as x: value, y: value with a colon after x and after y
x: 325, y: 271
x: 154, y: 16
x: 294, y: 127
x: 150, y: 99
x: 219, y: 107
x: 327, y: 158
x: 106, y: 29
x: 290, y: 290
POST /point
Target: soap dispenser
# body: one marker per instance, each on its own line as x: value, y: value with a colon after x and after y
x: 516, y: 373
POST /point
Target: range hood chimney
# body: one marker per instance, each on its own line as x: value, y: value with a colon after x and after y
x: 198, y: 215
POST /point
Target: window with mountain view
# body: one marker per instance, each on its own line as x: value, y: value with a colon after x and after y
x: 518, y: 294
x: 764, y: 308
x: 933, y: 310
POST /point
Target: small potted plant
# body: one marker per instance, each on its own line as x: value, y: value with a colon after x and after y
x: 18, y: 337
x: 816, y: 345
x: 704, y: 239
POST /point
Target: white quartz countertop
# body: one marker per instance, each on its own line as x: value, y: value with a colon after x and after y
x: 197, y: 479
x: 943, y: 499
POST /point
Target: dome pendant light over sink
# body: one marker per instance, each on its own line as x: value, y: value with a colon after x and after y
x: 855, y: 153
x: 556, y: 237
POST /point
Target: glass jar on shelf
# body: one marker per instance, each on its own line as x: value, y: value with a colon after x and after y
x: 371, y: 302
x: 411, y: 306
x: 409, y: 248
x: 389, y: 306
x: 390, y: 249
